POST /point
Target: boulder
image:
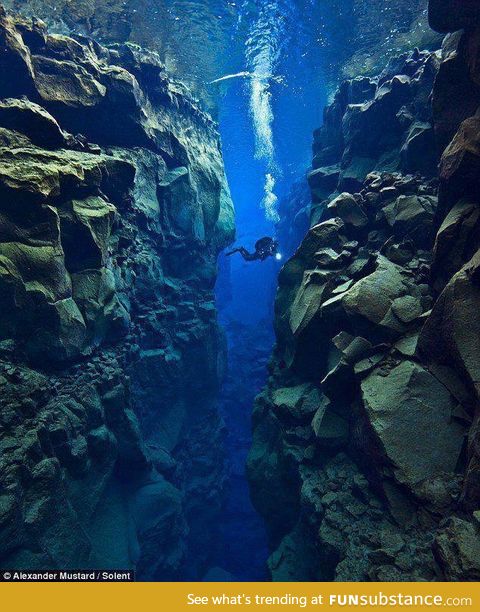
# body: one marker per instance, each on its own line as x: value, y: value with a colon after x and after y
x: 451, y: 331
x: 307, y: 303
x: 419, y: 151
x: 456, y: 96
x: 297, y: 403
x: 327, y: 234
x: 349, y: 210
x: 366, y: 365
x: 354, y: 172
x: 368, y: 304
x: 400, y: 253
x: 352, y: 349
x: 411, y: 415
x: 66, y: 83
x: 323, y: 235
x: 460, y: 163
x: 32, y: 120
x: 328, y: 258
x: 407, y: 308
x: 407, y: 346
x: 323, y: 181
x: 456, y: 240
x: 411, y: 218
x: 457, y: 550
x: 331, y: 429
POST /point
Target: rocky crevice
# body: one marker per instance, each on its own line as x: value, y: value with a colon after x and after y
x: 364, y: 461
x: 113, y: 208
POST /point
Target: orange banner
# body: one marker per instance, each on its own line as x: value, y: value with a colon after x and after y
x: 265, y: 596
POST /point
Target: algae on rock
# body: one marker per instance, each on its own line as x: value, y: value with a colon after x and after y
x: 113, y: 208
x: 377, y: 320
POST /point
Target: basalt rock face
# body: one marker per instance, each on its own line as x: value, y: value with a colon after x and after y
x: 113, y: 207
x: 355, y: 34
x: 365, y: 455
x: 382, y: 123
x: 456, y: 250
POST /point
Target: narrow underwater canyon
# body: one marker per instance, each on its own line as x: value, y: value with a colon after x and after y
x: 132, y: 347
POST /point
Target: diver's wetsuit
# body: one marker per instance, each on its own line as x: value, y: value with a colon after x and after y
x: 264, y: 248
x: 245, y: 254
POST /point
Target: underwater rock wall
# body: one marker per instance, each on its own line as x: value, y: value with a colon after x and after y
x: 365, y: 458
x: 348, y: 37
x: 113, y: 208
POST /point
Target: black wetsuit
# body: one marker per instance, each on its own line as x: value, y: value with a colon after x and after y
x: 264, y: 248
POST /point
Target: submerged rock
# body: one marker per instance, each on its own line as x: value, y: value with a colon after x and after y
x: 387, y: 128
x: 377, y: 311
x: 411, y: 413
x: 457, y: 549
x: 113, y: 208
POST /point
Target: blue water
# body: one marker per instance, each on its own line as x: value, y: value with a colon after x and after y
x: 288, y: 113
x: 266, y: 126
x: 263, y: 68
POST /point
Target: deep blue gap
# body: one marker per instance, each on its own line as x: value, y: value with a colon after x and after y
x: 246, y: 291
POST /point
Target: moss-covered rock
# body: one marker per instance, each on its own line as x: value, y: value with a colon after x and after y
x: 377, y: 320
x: 113, y: 208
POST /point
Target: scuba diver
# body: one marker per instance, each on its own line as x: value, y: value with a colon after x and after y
x: 264, y: 248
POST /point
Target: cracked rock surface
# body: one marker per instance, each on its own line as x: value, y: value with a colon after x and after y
x: 113, y: 208
x: 365, y: 459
